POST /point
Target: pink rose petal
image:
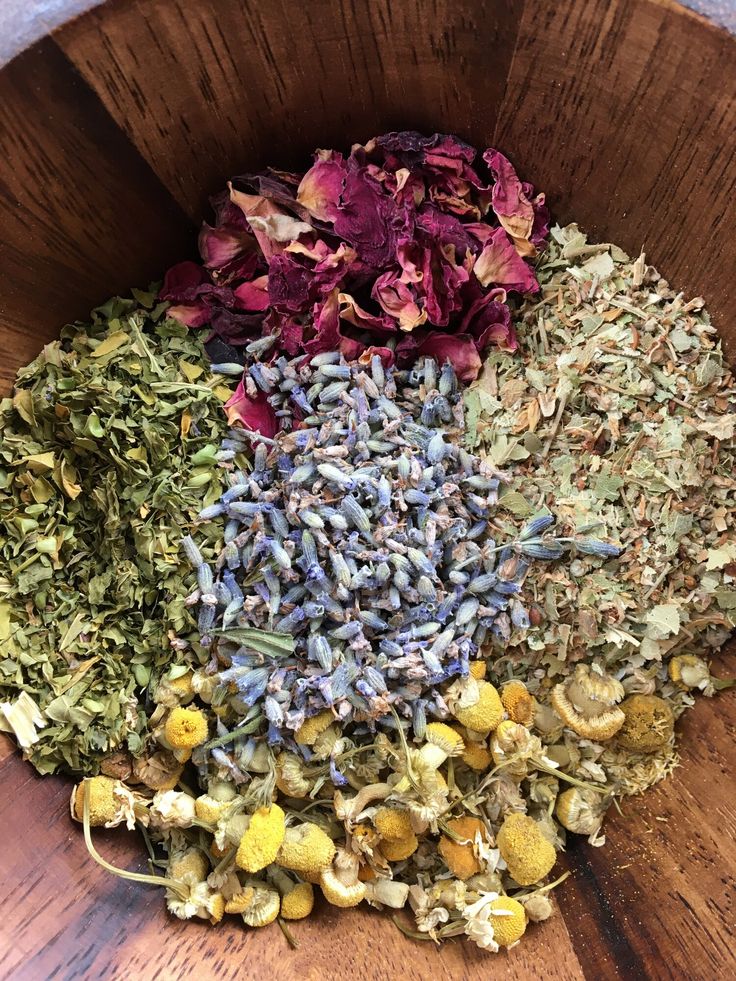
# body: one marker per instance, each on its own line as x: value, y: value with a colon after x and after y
x: 320, y: 188
x: 499, y: 264
x: 255, y: 414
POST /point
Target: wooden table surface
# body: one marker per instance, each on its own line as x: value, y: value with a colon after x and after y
x: 656, y: 902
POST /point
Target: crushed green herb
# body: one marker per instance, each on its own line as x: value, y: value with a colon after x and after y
x: 107, y: 454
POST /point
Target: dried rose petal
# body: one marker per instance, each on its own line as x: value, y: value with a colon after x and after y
x: 511, y: 205
x: 220, y: 246
x: 488, y: 321
x: 321, y: 186
x: 398, y: 301
x: 180, y: 280
x: 367, y: 219
x: 351, y: 312
x: 234, y: 327
x: 384, y: 353
x: 540, y: 228
x: 255, y: 414
x: 458, y: 349
x: 327, y: 334
x: 191, y: 314
x: 405, y: 219
x: 253, y: 295
x: 500, y: 264
x: 184, y: 284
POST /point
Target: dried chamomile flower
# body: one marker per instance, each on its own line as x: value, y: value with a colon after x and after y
x: 339, y: 882
x: 587, y: 703
x: 262, y: 840
x: 441, y: 743
x: 508, y: 918
x: 231, y: 826
x: 308, y: 732
x: 518, y: 702
x: 364, y: 841
x: 171, y: 809
x: 208, y: 809
x: 216, y: 908
x: 174, y: 689
x: 197, y: 900
x: 427, y: 908
x: 580, y: 811
x: 264, y: 906
x: 224, y: 879
x: 159, y: 771
x: 649, y: 724
x: 526, y: 851
x: 512, y: 745
x: 190, y: 866
x: 110, y: 802
x: 392, y: 823
x: 633, y: 774
x: 298, y: 902
x: 459, y: 851
x: 221, y: 791
x: 538, y: 907
x: 485, y: 713
x: 327, y: 743
x: 386, y: 892
x: 204, y: 685
x: 476, y: 755
x: 306, y: 849
x: 240, y: 901
x: 399, y: 849
x: 688, y: 672
x: 186, y: 728
x: 351, y: 808
x: 291, y: 778
x: 477, y: 922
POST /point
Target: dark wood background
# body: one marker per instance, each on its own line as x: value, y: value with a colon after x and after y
x: 112, y: 132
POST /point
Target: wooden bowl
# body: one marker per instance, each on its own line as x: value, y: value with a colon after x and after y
x: 113, y: 131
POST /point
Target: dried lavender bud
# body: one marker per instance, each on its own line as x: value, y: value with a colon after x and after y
x: 227, y: 368
x: 365, y: 536
x: 593, y: 546
x: 335, y: 475
x: 280, y: 554
x: 194, y: 556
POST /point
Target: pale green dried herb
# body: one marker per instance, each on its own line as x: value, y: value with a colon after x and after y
x: 107, y: 454
x: 626, y: 407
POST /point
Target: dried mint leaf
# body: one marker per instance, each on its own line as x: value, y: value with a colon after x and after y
x: 107, y: 454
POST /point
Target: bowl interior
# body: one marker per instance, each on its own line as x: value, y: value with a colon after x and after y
x: 115, y: 129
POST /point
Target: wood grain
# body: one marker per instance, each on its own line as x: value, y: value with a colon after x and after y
x: 82, y: 216
x: 223, y: 89
x: 113, y: 132
x: 628, y: 114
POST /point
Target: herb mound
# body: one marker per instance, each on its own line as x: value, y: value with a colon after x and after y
x: 407, y: 246
x: 107, y: 454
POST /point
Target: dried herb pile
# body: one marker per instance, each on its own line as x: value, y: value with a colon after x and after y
x: 108, y: 451
x: 620, y: 409
x: 385, y: 674
x: 411, y: 246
